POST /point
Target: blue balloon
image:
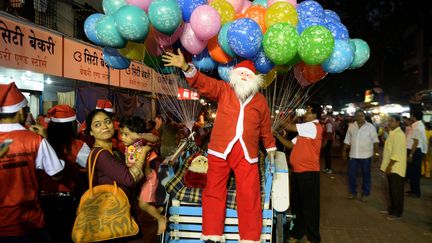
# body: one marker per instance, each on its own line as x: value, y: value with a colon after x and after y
x: 188, y: 6
x: 331, y: 16
x: 224, y: 70
x: 338, y: 30
x: 132, y: 23
x: 107, y: 32
x: 340, y: 59
x: 89, y: 28
x: 245, y: 37
x: 204, y: 62
x: 262, y: 63
x: 114, y: 59
x: 223, y: 40
x: 260, y: 2
x: 310, y: 9
x: 111, y: 6
x: 308, y: 22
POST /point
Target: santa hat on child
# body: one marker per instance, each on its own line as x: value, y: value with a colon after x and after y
x: 61, y: 114
x: 246, y: 65
x: 11, y: 98
x: 104, y: 105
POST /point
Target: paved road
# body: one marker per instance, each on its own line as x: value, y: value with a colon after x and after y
x: 346, y: 220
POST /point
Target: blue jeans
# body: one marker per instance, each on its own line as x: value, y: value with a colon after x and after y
x: 365, y: 166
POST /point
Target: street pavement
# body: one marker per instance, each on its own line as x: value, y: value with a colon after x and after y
x: 351, y: 220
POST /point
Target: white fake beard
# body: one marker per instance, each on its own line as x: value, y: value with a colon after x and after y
x: 244, y: 89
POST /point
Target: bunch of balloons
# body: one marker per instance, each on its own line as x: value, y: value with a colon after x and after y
x: 274, y: 34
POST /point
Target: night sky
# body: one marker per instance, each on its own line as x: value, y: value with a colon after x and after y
x: 389, y: 27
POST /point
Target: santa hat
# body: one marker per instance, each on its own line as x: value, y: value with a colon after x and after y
x: 246, y: 64
x: 62, y: 114
x: 11, y: 98
x: 104, y: 105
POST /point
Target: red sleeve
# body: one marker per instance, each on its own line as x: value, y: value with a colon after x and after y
x: 207, y: 86
x: 114, y: 169
x: 265, y: 128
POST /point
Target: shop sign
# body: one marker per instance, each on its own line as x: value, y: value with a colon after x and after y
x: 30, y: 48
x: 84, y: 62
x: 165, y: 84
x: 137, y: 76
x: 186, y: 94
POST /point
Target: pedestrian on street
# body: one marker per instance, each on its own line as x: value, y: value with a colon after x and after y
x: 362, y: 142
x: 394, y: 164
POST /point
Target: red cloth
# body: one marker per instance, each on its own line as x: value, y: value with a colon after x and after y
x: 70, y: 173
x: 248, y: 195
x: 255, y: 123
x: 20, y: 210
x: 305, y: 154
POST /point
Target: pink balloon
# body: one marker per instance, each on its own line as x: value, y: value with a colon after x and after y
x: 190, y: 41
x: 246, y: 5
x: 166, y: 40
x: 205, y: 22
x: 270, y: 2
x: 237, y: 4
x: 143, y: 4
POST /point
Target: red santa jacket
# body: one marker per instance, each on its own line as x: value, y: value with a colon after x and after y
x: 20, y: 210
x: 245, y: 122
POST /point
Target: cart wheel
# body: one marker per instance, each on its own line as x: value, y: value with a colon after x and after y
x: 279, y: 228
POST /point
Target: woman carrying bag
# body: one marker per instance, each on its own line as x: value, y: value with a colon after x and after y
x: 106, y: 169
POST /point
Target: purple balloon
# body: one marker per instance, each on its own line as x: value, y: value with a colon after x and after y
x: 143, y: 4
x: 205, y: 22
x: 191, y: 42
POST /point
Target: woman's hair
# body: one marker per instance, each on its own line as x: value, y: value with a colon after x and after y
x: 60, y: 135
x: 91, y: 115
x: 135, y: 124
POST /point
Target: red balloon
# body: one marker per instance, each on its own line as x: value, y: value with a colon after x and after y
x: 310, y: 73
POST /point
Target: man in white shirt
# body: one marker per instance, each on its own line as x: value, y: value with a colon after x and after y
x: 362, y: 141
x: 416, y: 152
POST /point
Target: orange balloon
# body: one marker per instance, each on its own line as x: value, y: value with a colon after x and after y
x: 311, y: 73
x: 216, y: 51
x: 240, y: 16
x: 257, y: 13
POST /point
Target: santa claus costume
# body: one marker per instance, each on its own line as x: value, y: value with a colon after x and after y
x: 243, y: 118
x: 21, y: 216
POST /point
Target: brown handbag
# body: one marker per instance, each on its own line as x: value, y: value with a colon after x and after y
x: 103, y: 212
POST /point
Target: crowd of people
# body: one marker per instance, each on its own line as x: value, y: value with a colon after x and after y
x: 43, y: 167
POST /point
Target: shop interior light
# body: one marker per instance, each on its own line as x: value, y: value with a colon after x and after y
x: 213, y: 115
x: 277, y: 111
x: 28, y: 74
x: 48, y: 80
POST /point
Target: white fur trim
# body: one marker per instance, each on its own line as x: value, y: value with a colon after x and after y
x: 13, y: 108
x: 63, y: 120
x: 106, y: 109
x: 217, y: 238
x: 192, y: 72
x: 249, y: 241
x: 271, y: 149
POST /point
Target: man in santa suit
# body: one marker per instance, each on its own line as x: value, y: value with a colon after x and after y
x: 243, y: 117
x: 21, y: 216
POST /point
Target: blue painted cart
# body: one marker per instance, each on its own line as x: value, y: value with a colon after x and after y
x: 185, y: 215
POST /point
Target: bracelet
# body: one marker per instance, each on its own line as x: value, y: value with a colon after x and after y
x: 187, y: 69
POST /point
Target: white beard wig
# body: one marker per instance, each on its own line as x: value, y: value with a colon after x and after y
x: 245, y: 88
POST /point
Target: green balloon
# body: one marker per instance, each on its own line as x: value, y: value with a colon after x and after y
x: 111, y: 6
x: 361, y: 54
x: 165, y: 16
x: 280, y: 43
x: 153, y: 61
x: 316, y: 45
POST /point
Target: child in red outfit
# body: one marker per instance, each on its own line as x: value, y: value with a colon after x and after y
x: 134, y: 139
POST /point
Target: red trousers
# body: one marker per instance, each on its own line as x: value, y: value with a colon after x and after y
x: 248, y: 195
